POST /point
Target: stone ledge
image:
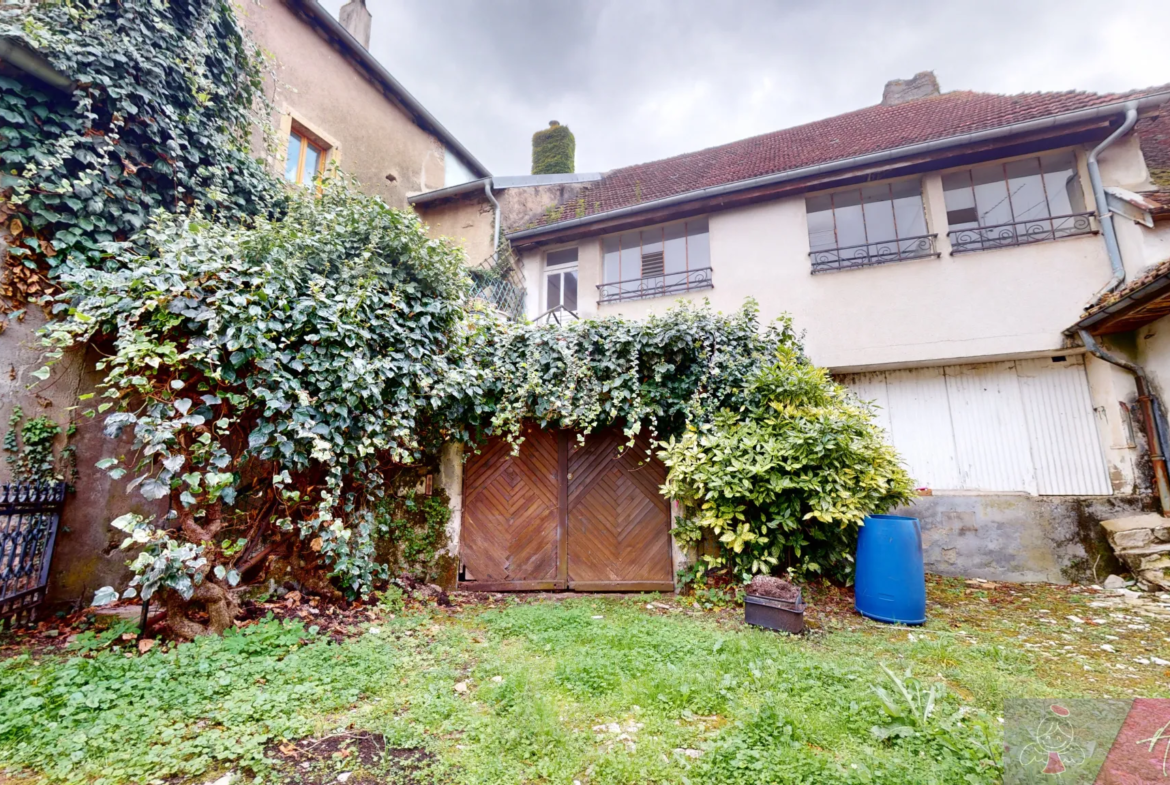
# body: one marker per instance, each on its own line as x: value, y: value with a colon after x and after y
x: 1142, y: 542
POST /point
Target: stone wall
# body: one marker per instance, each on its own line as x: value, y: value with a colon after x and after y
x: 1019, y: 538
x: 1142, y: 542
x: 86, y: 556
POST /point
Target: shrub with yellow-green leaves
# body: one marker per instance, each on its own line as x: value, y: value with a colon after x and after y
x: 785, y: 481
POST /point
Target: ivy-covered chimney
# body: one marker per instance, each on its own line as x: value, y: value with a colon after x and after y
x: 554, y: 150
x: 355, y: 18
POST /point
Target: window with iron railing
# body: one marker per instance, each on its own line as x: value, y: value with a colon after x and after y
x: 657, y: 262
x: 874, y: 224
x: 1010, y: 203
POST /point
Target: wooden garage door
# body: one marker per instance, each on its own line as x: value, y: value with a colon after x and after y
x: 512, y: 523
x: 561, y: 514
x: 618, y: 522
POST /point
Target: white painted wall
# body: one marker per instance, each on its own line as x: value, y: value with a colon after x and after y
x: 997, y: 303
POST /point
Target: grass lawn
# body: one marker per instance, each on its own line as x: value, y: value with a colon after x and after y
x: 586, y: 689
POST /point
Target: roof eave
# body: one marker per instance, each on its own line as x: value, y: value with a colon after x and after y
x: 334, y: 30
x: 1155, y: 287
x: 450, y: 192
x: 1052, y: 121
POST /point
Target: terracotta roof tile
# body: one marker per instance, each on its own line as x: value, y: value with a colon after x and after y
x: 870, y: 130
x: 1151, y: 273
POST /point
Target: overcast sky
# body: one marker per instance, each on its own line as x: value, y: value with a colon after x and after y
x: 638, y: 80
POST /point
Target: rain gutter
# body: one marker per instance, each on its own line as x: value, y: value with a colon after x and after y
x: 487, y: 189
x: 446, y: 193
x: 1104, y: 214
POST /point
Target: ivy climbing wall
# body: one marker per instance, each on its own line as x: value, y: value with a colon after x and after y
x: 85, y: 542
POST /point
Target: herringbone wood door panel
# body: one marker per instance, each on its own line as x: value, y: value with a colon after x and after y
x: 511, y: 514
x: 618, y: 523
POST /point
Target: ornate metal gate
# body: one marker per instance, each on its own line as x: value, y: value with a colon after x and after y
x: 29, y: 516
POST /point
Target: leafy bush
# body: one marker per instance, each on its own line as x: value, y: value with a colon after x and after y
x: 657, y: 373
x: 32, y: 456
x: 785, y: 480
x: 269, y: 375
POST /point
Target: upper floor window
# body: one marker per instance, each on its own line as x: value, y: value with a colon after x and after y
x: 305, y: 160
x: 669, y: 259
x: 1029, y: 200
x: 870, y: 225
x: 560, y: 280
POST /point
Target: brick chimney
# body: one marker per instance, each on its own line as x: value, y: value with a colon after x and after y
x: 356, y: 19
x: 900, y: 91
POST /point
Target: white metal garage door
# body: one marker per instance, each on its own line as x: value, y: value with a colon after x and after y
x: 1026, y: 425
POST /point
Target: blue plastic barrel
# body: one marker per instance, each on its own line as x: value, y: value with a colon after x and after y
x: 890, y: 584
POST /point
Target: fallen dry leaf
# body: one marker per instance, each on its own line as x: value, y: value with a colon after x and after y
x: 145, y: 645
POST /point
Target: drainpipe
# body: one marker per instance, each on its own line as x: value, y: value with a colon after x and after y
x: 487, y: 189
x: 1151, y: 413
x: 1103, y: 215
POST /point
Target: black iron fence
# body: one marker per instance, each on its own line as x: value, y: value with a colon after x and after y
x: 29, y: 516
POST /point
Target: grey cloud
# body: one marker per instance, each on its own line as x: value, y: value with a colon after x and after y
x: 638, y: 80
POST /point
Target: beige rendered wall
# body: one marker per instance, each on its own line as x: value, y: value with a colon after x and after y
x: 470, y: 218
x: 315, y: 85
x: 1153, y: 353
x: 469, y: 222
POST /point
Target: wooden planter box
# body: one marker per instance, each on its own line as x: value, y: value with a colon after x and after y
x: 770, y: 613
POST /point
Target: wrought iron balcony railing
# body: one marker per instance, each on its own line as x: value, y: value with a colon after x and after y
x: 983, y: 238
x: 655, y: 286
x: 867, y: 255
x: 559, y: 315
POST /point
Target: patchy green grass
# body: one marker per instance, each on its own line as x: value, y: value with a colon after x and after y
x: 592, y: 689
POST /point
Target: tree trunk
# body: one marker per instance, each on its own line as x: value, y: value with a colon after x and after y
x: 222, y: 610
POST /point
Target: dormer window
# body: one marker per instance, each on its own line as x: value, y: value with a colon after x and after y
x: 874, y: 224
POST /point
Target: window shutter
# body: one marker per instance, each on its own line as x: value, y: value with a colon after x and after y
x: 653, y: 265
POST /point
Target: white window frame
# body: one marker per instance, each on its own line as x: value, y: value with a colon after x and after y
x: 559, y: 270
